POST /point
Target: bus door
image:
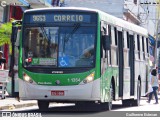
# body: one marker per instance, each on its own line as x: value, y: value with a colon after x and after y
x: 131, y: 62
x: 121, y: 59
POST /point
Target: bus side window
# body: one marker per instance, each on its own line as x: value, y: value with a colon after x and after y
x: 113, y: 48
x: 136, y: 47
x: 138, y: 44
x: 147, y: 46
x: 116, y: 44
x: 128, y: 46
x: 126, y: 50
x: 143, y: 48
x: 115, y: 31
x: 128, y: 40
x: 109, y: 51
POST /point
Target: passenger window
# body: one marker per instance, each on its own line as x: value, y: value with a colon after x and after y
x: 125, y: 39
x: 136, y: 47
x: 113, y: 35
x: 128, y: 39
x: 126, y: 50
x: 138, y: 44
x: 147, y: 44
x: 143, y: 48
x: 115, y: 31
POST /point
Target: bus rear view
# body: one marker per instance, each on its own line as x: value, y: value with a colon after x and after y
x: 58, y: 56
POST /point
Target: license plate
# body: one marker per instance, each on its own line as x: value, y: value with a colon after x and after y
x: 57, y: 93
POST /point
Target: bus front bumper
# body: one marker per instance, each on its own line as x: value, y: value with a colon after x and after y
x: 86, y: 92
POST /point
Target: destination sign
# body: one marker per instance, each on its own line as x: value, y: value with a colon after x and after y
x: 59, y: 18
x: 71, y: 18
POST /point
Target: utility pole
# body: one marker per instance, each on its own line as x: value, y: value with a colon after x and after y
x: 156, y: 53
x: 157, y: 39
x: 156, y: 45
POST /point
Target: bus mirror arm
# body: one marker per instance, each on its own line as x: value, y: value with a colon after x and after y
x: 14, y: 34
x: 16, y: 25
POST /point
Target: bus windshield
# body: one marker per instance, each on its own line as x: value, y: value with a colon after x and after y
x: 71, y: 46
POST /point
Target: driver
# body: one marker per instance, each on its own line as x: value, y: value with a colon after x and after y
x: 88, y: 53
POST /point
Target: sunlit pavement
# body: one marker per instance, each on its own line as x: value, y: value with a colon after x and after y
x: 144, y: 106
x: 14, y: 104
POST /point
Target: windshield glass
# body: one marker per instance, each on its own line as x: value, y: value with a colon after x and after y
x: 72, y: 46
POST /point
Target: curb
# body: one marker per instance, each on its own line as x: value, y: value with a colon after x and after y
x: 15, y: 106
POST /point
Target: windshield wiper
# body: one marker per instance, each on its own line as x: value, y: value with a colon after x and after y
x: 66, y: 38
x: 76, y: 27
x: 44, y: 33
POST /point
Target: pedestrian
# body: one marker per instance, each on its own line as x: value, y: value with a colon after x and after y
x: 150, y: 89
x: 2, y: 67
x: 2, y: 61
x: 154, y: 84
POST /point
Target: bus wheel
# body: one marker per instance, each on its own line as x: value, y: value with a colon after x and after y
x: 137, y: 101
x: 43, y: 105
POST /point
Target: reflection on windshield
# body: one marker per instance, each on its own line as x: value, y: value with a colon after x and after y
x: 59, y: 46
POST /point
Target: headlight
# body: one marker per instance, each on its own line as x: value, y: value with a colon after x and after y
x: 89, y: 78
x: 27, y: 78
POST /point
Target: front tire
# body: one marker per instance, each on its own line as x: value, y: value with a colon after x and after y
x: 43, y: 105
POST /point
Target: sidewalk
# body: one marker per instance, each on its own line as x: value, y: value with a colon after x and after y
x: 12, y: 103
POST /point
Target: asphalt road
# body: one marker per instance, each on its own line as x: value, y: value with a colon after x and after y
x: 70, y: 110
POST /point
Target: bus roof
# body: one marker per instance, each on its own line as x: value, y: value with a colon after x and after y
x: 62, y: 8
x: 122, y: 23
x: 103, y: 16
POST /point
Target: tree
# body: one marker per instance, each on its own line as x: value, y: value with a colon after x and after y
x: 5, y: 33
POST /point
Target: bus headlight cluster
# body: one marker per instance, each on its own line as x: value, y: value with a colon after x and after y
x: 89, y: 78
x: 27, y: 78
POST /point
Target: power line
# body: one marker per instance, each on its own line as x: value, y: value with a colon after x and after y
x: 148, y: 3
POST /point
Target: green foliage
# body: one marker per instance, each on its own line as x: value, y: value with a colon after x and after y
x: 5, y: 33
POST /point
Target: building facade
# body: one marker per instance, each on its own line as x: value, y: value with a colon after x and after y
x: 1, y: 15
x: 129, y: 10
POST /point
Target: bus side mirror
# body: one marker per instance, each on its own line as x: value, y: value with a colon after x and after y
x: 106, y: 41
x: 16, y: 25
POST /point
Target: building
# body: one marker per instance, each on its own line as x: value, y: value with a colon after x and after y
x: 129, y: 10
x: 140, y: 12
x: 1, y: 15
x: 14, y: 9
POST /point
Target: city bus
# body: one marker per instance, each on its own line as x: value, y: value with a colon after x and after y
x: 83, y: 56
